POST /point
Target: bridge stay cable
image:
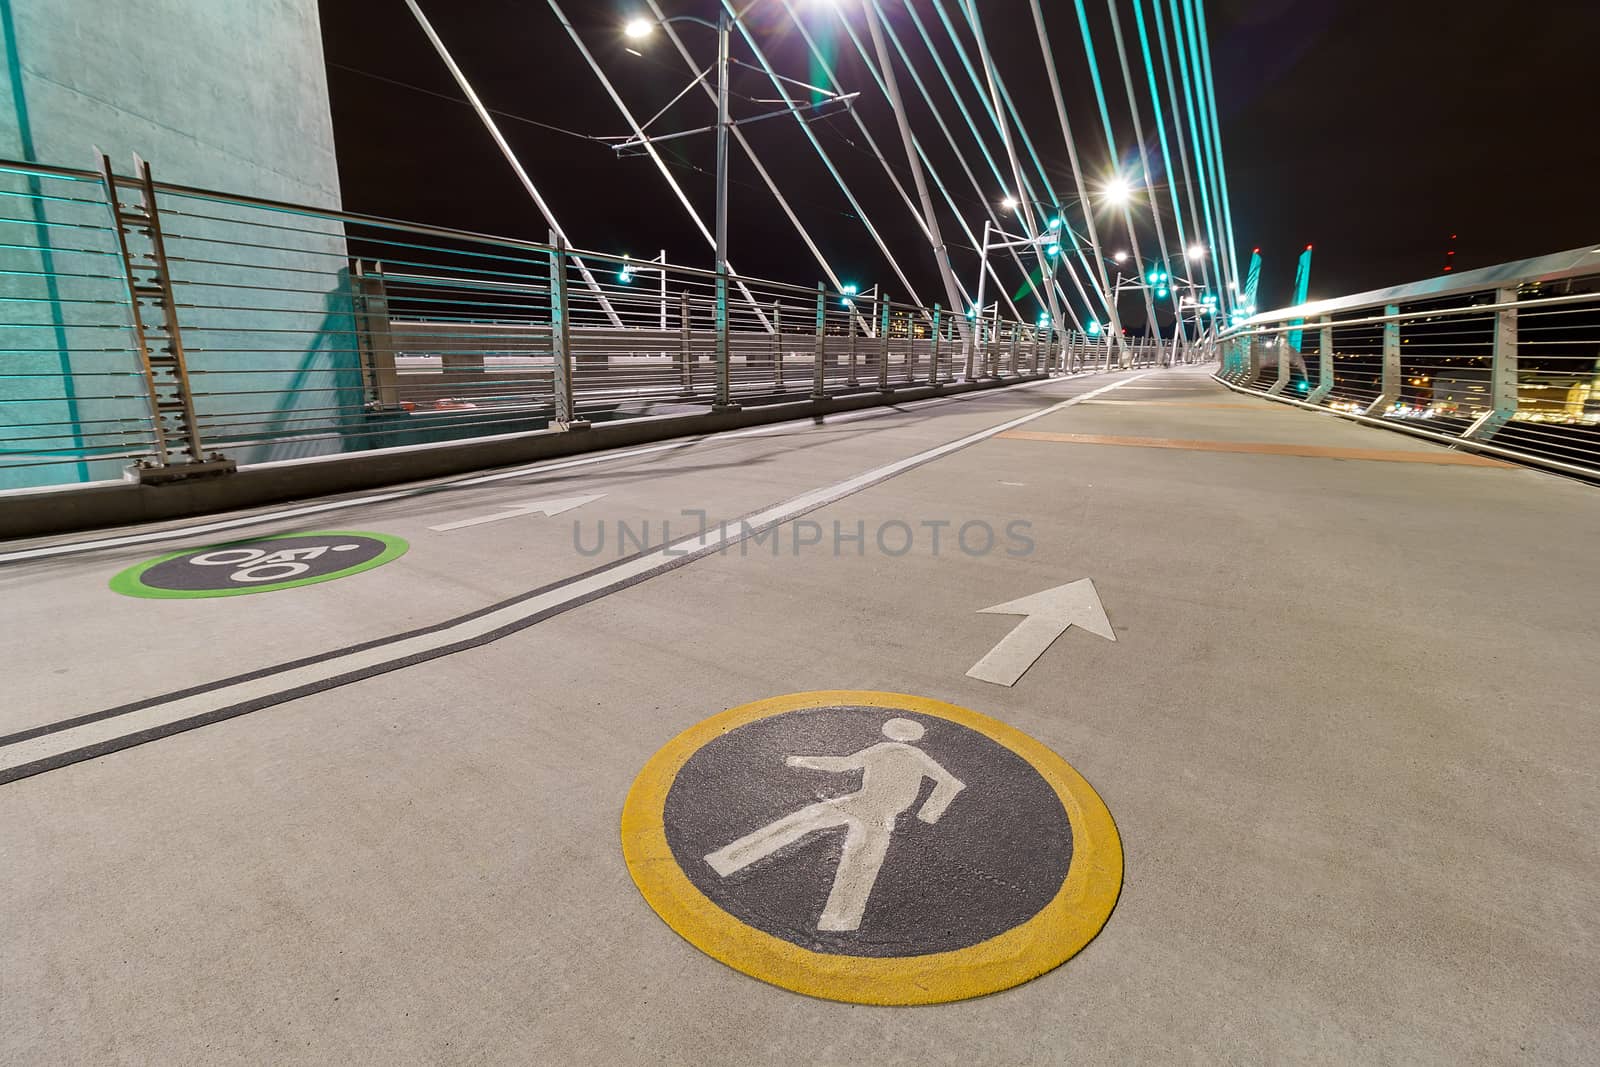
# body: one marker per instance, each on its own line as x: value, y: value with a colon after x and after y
x: 511, y: 157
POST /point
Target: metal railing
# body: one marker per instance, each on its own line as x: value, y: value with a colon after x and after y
x: 166, y: 330
x: 1504, y: 360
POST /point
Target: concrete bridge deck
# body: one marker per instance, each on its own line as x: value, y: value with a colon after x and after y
x: 1347, y: 731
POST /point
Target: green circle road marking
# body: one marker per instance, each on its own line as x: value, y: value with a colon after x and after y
x: 258, y: 565
x: 872, y: 847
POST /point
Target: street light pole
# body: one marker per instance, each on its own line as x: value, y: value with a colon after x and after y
x: 724, y: 395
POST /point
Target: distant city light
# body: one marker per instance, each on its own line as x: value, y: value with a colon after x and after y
x: 1093, y: 327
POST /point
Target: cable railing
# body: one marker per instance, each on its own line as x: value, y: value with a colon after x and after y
x: 1504, y: 360
x: 158, y: 331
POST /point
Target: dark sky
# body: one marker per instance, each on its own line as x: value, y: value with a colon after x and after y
x: 1372, y: 128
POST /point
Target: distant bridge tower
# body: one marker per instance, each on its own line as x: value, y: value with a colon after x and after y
x: 1302, y: 285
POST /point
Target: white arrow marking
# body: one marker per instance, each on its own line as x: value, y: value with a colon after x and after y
x: 1049, y: 614
x: 538, y: 507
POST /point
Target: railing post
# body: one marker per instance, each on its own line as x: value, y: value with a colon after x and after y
x: 883, y: 348
x: 850, y: 377
x: 820, y: 353
x: 970, y: 349
x: 723, y: 401
x: 912, y: 357
x: 933, y: 355
x: 685, y: 346
x: 561, y: 337
x: 1503, y: 371
x: 1037, y: 333
x: 1324, y: 363
x: 911, y: 349
x: 777, y: 344
x: 1284, y: 354
x: 1389, y: 388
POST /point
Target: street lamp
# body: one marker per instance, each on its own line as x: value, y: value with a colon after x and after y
x: 1121, y: 257
x: 1010, y: 203
x: 1196, y: 253
x: 1117, y: 191
x: 638, y: 29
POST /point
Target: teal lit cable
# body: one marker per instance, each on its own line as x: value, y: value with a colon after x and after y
x: 994, y: 117
x: 1099, y: 90
x: 972, y: 127
x: 1225, y: 294
x: 1211, y: 96
x: 1183, y: 154
x: 1161, y: 122
x: 1202, y: 110
x: 1227, y: 253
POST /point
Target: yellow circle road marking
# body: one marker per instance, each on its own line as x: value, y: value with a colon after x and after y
x: 1050, y: 937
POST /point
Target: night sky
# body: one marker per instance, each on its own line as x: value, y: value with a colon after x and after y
x: 1374, y: 130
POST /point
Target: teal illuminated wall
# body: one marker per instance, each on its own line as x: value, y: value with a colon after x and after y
x: 222, y: 94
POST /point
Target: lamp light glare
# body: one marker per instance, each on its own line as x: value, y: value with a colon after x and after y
x: 638, y: 29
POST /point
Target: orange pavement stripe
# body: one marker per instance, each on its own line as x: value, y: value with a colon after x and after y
x: 1261, y: 448
x: 1187, y: 404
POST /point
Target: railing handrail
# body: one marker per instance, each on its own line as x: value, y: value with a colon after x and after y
x: 1573, y: 263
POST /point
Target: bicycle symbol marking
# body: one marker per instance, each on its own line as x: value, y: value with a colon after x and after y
x: 259, y: 565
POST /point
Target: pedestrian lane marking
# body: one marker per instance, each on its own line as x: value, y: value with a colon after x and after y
x: 872, y: 847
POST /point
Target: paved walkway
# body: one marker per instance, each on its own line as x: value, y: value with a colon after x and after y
x: 1347, y: 730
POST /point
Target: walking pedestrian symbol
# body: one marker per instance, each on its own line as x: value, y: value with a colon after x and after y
x: 872, y: 847
x: 259, y: 565
x: 891, y: 779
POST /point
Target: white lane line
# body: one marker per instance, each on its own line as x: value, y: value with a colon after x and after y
x: 508, y: 618
x: 195, y: 530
